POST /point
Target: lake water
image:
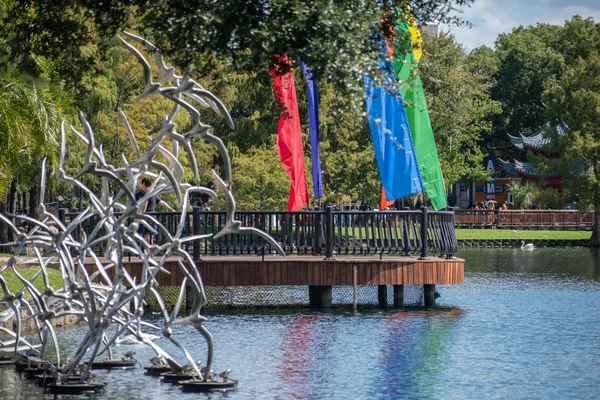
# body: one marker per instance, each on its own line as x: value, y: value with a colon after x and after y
x: 525, y: 325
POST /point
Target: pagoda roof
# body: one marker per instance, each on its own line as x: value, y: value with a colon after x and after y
x: 539, y: 139
x: 525, y: 169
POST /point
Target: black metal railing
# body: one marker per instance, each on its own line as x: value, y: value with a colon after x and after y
x: 327, y: 233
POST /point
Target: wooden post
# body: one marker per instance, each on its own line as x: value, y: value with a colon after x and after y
x: 196, y: 231
x: 424, y: 239
x: 382, y: 295
x: 189, y: 295
x: 62, y: 215
x: 429, y: 295
x: 354, y: 284
x: 319, y: 296
x: 398, y: 296
x: 329, y: 233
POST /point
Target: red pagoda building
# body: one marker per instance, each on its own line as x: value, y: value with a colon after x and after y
x: 538, y: 144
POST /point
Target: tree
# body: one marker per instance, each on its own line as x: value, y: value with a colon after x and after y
x: 30, y: 113
x: 260, y: 181
x: 575, y: 100
x: 334, y: 37
x: 459, y: 106
x: 528, y: 61
x: 524, y: 193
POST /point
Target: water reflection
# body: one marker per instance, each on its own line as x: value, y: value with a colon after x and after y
x: 525, y: 325
x: 576, y: 262
x: 413, y: 352
x: 298, y: 369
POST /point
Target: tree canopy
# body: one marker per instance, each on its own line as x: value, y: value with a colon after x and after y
x: 334, y: 37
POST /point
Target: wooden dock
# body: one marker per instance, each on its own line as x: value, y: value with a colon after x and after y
x: 312, y: 271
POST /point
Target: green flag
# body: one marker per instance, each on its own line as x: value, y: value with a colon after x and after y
x: 405, y: 67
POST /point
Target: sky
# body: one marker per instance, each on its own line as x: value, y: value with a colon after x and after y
x: 490, y: 18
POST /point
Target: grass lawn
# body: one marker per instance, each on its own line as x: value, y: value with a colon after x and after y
x: 15, y: 283
x: 520, y: 234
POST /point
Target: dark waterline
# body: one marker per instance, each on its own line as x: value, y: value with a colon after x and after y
x: 524, y: 325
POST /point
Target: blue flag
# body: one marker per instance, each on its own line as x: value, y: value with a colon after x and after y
x: 394, y: 149
x: 313, y: 119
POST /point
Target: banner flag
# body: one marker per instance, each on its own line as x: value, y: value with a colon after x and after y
x: 411, y: 89
x: 396, y: 158
x: 289, y: 137
x: 313, y: 120
x: 384, y: 201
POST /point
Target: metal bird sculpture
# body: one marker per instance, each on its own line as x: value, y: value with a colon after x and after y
x: 89, y: 247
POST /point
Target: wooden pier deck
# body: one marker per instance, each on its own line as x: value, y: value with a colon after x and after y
x: 312, y: 271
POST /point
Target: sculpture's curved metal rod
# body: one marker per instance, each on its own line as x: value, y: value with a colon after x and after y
x: 179, y: 302
x: 34, y: 316
x: 224, y: 154
x: 187, y: 147
x: 195, y: 282
x: 186, y: 201
x: 197, y: 126
x: 43, y: 264
x: 91, y: 142
x: 15, y: 300
x: 197, y: 321
x: 164, y: 73
x: 174, y: 164
x: 221, y: 109
x: 169, y: 335
x: 165, y: 170
x: 161, y: 303
x: 131, y: 136
x: 54, y: 340
x: 4, y: 345
x: 83, y: 275
x: 92, y: 168
x: 202, y: 102
x: 150, y: 87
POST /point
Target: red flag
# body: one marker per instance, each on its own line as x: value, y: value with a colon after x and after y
x: 289, y: 137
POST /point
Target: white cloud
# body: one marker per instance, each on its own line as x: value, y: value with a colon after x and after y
x: 491, y: 18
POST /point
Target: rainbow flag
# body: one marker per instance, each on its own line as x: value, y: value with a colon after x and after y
x: 394, y: 151
x: 411, y: 88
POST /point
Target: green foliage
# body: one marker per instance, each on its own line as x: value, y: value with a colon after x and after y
x: 459, y: 105
x: 30, y: 113
x: 550, y: 198
x: 526, y: 66
x: 334, y: 37
x: 524, y: 193
x: 575, y: 99
x: 260, y: 181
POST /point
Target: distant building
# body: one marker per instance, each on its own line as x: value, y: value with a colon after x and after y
x: 538, y: 144
x: 467, y: 193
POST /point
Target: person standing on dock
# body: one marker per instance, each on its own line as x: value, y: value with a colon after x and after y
x: 150, y: 206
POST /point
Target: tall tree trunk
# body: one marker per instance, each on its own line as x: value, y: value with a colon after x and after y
x: 34, y: 199
x: 24, y: 204
x: 12, y: 204
x: 595, y: 242
x: 3, y: 227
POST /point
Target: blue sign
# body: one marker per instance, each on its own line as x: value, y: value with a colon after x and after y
x: 490, y: 186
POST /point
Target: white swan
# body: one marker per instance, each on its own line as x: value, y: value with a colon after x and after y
x: 528, y: 246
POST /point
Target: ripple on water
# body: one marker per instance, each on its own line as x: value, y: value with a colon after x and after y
x: 522, y: 326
